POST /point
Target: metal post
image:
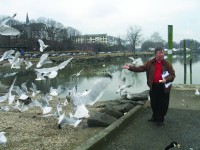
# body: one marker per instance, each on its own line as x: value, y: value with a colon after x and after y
x: 170, y: 42
x: 184, y: 55
x: 191, y: 49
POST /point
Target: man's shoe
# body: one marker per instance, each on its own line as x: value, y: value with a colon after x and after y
x: 151, y: 120
x: 159, y: 123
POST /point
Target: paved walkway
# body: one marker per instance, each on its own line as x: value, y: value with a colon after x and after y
x: 181, y: 125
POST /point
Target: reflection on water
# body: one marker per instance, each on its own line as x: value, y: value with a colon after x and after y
x: 91, y: 71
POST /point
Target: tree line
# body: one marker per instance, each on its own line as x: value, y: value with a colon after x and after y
x: 61, y: 38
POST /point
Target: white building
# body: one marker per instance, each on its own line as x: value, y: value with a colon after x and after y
x: 96, y: 38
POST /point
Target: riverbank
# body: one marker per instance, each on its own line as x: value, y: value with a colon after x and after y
x: 28, y: 130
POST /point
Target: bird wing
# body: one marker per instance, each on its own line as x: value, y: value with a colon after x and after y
x: 93, y: 95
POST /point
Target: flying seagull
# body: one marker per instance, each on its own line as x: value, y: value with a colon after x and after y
x: 92, y: 95
x: 42, y: 45
x: 6, y: 30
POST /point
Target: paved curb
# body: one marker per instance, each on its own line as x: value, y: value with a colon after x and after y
x: 97, y: 141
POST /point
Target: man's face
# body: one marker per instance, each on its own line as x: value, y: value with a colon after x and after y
x: 160, y: 55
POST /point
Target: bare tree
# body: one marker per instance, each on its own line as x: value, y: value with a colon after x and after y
x: 134, y: 36
x: 157, y: 39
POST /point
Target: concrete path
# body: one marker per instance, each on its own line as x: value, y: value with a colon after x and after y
x: 181, y: 125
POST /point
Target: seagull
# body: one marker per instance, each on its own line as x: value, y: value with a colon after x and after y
x: 6, y: 30
x: 42, y: 45
x: 43, y: 60
x: 43, y: 103
x: 28, y: 64
x: 81, y: 112
x: 134, y: 61
x: 55, y: 92
x: 197, y: 93
x: 4, y: 108
x: 21, y: 91
x: 77, y: 74
x: 11, y: 97
x: 123, y: 84
x: 172, y: 144
x: 63, y: 120
x: 7, y: 55
x: 3, y: 139
x: 40, y: 76
x: 34, y: 89
x: 57, y: 113
x: 92, y: 95
x: 54, y: 69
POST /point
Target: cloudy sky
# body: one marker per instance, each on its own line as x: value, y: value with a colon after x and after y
x: 114, y: 17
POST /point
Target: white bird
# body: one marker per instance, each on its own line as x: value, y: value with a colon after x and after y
x: 197, y: 93
x: 43, y: 60
x: 21, y: 91
x: 55, y: 92
x: 3, y: 139
x: 51, y: 74
x: 57, y: 113
x: 81, y: 112
x: 92, y: 95
x: 123, y: 84
x: 122, y: 88
x: 34, y: 89
x: 54, y: 69
x: 77, y: 74
x: 42, y: 45
x: 11, y: 97
x: 63, y: 120
x: 133, y: 60
x: 28, y: 64
x: 7, y: 55
x: 43, y: 103
x: 40, y: 76
x: 4, y: 108
x: 6, y: 30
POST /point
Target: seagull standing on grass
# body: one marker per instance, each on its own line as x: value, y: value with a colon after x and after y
x: 3, y: 139
x: 42, y: 45
x: 63, y: 120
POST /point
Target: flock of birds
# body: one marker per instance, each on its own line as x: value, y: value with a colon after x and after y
x: 23, y: 98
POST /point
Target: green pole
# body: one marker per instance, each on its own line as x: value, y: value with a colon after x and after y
x: 170, y: 42
x: 184, y: 55
x: 191, y: 49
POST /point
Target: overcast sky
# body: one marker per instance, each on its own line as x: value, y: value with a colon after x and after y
x: 114, y: 17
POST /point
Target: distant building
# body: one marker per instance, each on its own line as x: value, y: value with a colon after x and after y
x: 95, y: 38
x: 33, y: 30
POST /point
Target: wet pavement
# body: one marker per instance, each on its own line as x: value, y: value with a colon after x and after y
x: 181, y: 124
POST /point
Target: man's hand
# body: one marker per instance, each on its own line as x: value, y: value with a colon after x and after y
x: 126, y: 66
x: 162, y: 81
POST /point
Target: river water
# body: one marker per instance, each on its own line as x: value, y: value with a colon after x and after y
x: 93, y: 70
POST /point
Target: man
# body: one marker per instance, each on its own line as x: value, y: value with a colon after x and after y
x: 159, y: 85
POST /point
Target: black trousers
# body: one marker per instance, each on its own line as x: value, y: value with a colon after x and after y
x: 159, y: 102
